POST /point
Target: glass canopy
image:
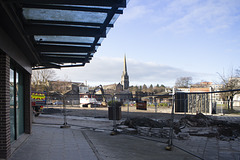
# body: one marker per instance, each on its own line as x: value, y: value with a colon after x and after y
x: 66, y: 33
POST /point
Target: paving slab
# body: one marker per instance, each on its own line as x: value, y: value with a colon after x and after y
x: 128, y: 147
x: 52, y: 142
x: 49, y: 143
x: 89, y: 139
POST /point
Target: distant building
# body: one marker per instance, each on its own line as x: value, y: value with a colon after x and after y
x: 217, y: 96
x: 202, y: 85
x: 195, y: 99
x: 110, y: 87
x: 72, y: 91
x: 125, y: 77
x: 83, y: 88
x: 184, y: 90
x: 236, y: 98
x: 60, y: 86
x: 203, y: 89
x: 119, y: 88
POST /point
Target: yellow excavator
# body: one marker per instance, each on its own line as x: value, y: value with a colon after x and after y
x: 104, y: 102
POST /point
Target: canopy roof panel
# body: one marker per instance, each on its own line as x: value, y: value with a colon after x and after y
x: 63, y: 15
x: 60, y: 33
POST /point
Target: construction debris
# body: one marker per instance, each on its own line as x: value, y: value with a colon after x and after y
x: 198, y: 120
x: 190, y: 125
x: 144, y: 122
x: 212, y: 128
x: 51, y: 111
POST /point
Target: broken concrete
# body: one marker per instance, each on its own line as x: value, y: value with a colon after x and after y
x: 183, y: 136
x: 190, y: 125
x: 219, y: 128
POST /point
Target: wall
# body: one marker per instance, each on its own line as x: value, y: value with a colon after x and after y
x: 8, y: 46
x: 5, y: 142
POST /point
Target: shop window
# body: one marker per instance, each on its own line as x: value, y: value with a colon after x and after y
x: 16, y: 103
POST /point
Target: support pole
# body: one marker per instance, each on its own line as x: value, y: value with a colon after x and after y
x: 170, y: 143
x: 185, y: 107
x: 128, y: 110
x: 155, y: 103
x: 65, y: 125
x: 114, y: 132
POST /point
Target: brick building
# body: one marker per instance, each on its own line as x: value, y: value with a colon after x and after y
x: 15, y: 105
x: 39, y: 35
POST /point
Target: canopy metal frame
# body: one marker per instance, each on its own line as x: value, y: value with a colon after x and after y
x: 59, y: 33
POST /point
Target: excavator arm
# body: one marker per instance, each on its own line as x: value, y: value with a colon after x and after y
x: 104, y: 102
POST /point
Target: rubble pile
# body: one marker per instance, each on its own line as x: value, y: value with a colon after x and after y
x: 154, y: 132
x: 148, y: 127
x: 228, y: 131
x: 190, y: 125
x: 144, y: 122
x: 206, y: 126
x: 51, y: 111
x: 198, y: 120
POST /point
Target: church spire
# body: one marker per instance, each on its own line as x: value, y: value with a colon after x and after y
x: 125, y: 65
x: 125, y: 78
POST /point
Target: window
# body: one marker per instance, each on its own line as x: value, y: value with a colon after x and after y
x: 16, y: 103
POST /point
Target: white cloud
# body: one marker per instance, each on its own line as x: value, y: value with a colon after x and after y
x: 135, y: 11
x: 106, y: 70
x: 181, y: 16
x: 209, y: 16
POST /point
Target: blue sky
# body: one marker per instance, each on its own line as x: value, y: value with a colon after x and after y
x: 167, y: 39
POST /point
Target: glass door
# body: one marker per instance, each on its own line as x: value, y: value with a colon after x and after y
x: 16, y: 104
x: 12, y: 105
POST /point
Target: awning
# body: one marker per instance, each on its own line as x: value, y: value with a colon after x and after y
x: 59, y: 33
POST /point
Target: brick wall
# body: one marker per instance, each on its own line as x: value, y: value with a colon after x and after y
x: 200, y: 89
x: 5, y: 141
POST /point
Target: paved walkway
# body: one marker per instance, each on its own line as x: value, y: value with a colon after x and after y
x: 53, y: 143
x: 211, y: 148
x: 89, y: 139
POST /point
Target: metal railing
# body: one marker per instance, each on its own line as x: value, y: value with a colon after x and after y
x: 162, y: 108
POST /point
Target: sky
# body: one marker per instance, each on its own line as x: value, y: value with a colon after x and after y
x: 164, y: 40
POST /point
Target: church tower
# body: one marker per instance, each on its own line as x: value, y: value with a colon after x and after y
x: 125, y: 78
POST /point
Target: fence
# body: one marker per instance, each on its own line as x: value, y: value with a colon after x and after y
x: 92, y: 105
x: 187, y: 103
x: 206, y: 102
x: 166, y: 109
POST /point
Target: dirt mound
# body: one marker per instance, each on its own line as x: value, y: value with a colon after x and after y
x: 144, y: 122
x: 51, y: 111
x: 199, y: 120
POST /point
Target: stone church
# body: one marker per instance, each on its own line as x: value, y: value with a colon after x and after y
x: 121, y: 89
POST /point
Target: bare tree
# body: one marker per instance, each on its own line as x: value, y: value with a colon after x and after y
x: 230, y: 83
x: 41, y: 78
x: 62, y: 87
x: 183, y: 82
